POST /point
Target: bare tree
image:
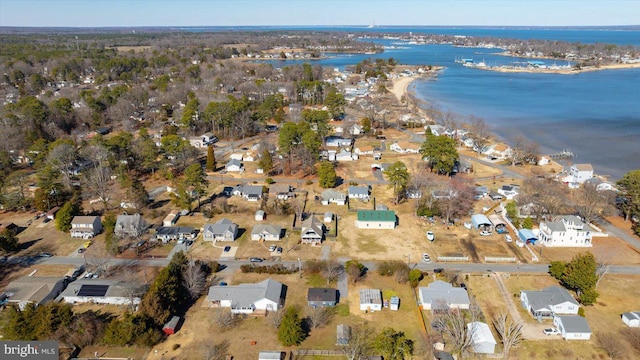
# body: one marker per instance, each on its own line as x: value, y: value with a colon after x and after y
x: 224, y: 319
x: 98, y: 257
x: 611, y: 344
x: 591, y: 203
x: 510, y: 332
x: 455, y: 327
x: 275, y: 317
x: 402, y: 274
x: 632, y: 335
x: 360, y: 342
x: 194, y: 279
x: 354, y: 273
x: 217, y: 351
x: 479, y: 133
x: 331, y: 269
x: 459, y: 201
x: 97, y: 182
x: 320, y: 315
x: 62, y: 157
x: 543, y: 196
x: 132, y: 286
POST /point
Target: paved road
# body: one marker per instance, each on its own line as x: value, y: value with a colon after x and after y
x: 613, y: 230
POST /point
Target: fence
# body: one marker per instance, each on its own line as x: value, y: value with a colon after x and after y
x: 499, y: 259
x: 453, y: 258
x: 318, y: 352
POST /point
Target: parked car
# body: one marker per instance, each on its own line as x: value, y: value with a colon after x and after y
x: 426, y: 258
x: 222, y: 283
x: 189, y: 242
x: 45, y: 255
x: 180, y: 241
x: 272, y: 248
x: 81, y: 250
x: 279, y: 250
x: 438, y: 270
x: 463, y: 285
x: 508, y: 238
x: 253, y: 259
x: 431, y: 236
x: 485, y: 233
x: 551, y: 331
x: 226, y: 249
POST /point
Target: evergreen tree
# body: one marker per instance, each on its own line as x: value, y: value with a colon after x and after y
x: 398, y: 177
x: 211, y: 159
x: 393, y: 344
x: 290, y: 331
x: 8, y: 241
x: 266, y: 161
x: 440, y: 153
x: 65, y: 215
x: 327, y: 177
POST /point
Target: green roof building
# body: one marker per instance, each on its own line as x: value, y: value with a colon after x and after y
x: 376, y: 219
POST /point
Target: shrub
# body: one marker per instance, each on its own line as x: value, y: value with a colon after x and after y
x: 581, y: 311
x: 269, y: 181
x: 175, y: 347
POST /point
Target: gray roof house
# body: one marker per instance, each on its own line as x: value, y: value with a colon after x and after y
x: 98, y: 291
x: 234, y: 165
x: 130, y: 225
x: 168, y: 233
x: 85, y: 227
x: 370, y: 300
x: 267, y: 295
x: 572, y: 327
x: 266, y: 232
x: 281, y: 191
x: 223, y: 230
x: 249, y: 192
x: 549, y: 301
x: 631, y: 319
x: 34, y: 289
x: 333, y: 196
x: 358, y: 192
x: 440, y: 295
x: 312, y: 231
x: 321, y: 297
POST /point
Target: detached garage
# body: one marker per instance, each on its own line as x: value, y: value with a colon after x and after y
x: 481, y: 222
x: 572, y: 327
x: 527, y: 236
x: 498, y: 223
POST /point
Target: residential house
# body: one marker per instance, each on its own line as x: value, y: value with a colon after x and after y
x: 376, y: 219
x: 168, y: 233
x: 331, y: 196
x: 267, y: 295
x: 358, y: 192
x: 336, y: 141
x: 236, y: 156
x: 600, y: 184
x: 343, y: 334
x: 440, y: 295
x: 250, y: 156
x: 234, y: 165
x: 631, y: 319
x: 566, y: 231
x: 98, y: 291
x: 499, y: 151
x: 312, y: 231
x: 249, y: 192
x: 85, y: 227
x: 322, y: 297
x: 130, y: 226
x: 581, y: 172
x: 281, y: 191
x: 572, y: 327
x: 482, y: 340
x: 170, y: 219
x: 266, y: 232
x: 338, y: 126
x: 35, y: 290
x: 363, y: 150
x: 222, y: 230
x: 355, y: 130
x: 370, y: 300
x: 439, y: 194
x: 413, y: 193
x: 345, y: 155
x: 548, y: 302
x: 405, y: 147
x: 544, y: 160
x: 508, y: 191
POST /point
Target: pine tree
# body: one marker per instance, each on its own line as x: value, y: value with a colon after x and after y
x: 211, y: 159
x: 290, y: 331
x: 65, y: 215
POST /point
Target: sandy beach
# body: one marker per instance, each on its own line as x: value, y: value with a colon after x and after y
x: 559, y: 71
x: 400, y: 86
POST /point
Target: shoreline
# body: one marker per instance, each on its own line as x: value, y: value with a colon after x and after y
x: 570, y: 71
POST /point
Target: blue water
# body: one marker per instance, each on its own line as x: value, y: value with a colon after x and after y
x: 594, y: 114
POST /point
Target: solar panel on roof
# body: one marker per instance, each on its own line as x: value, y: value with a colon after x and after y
x: 93, y: 290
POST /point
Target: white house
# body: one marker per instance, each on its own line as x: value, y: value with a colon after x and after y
x: 364, y: 150
x: 440, y: 295
x: 482, y: 340
x: 345, y: 155
x: 544, y: 160
x: 599, y: 184
x: 331, y: 196
x: 266, y: 232
x: 508, y: 191
x: 376, y: 219
x: 85, y: 227
x: 358, y: 192
x: 566, y: 231
x: 236, y: 156
x: 548, y: 302
x: 98, y: 291
x: 312, y: 231
x: 267, y: 295
x: 223, y: 230
x: 405, y: 147
x: 234, y: 165
x: 335, y: 141
x: 370, y: 300
x: 572, y: 327
x: 500, y: 151
x: 631, y: 319
x: 249, y: 192
x: 581, y: 172
x: 282, y: 192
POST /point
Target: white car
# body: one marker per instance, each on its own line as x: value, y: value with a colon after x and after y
x: 272, y: 248
x: 485, y: 233
x: 431, y: 236
x: 508, y: 238
x: 551, y: 331
x: 426, y: 258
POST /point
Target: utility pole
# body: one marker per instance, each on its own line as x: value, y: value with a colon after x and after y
x: 300, y: 267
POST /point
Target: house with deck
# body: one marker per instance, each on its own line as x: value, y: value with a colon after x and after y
x: 331, y: 196
x: 358, y: 192
x: 548, y: 302
x: 249, y: 192
x: 565, y: 231
x: 312, y: 231
x: 85, y: 227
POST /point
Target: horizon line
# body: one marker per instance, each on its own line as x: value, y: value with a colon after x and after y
x: 365, y: 26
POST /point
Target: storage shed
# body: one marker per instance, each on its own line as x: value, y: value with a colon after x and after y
x: 370, y: 299
x: 527, y: 236
x: 394, y: 303
x: 631, y: 319
x: 260, y: 215
x: 482, y: 340
x: 328, y: 217
x: 343, y: 334
x: 498, y: 223
x: 170, y: 327
x: 271, y: 355
x: 481, y: 222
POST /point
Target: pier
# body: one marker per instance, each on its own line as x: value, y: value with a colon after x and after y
x: 564, y: 154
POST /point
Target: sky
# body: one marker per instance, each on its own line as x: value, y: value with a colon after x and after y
x: 107, y: 13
